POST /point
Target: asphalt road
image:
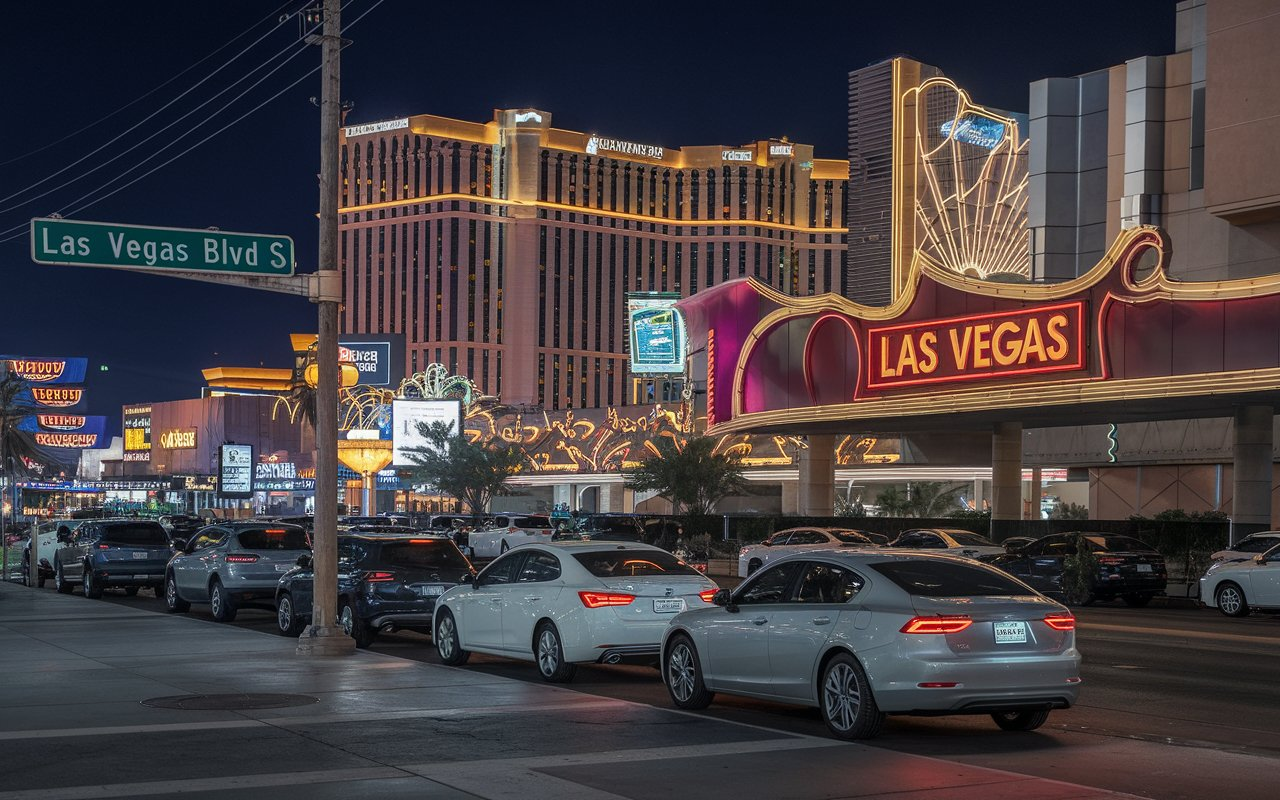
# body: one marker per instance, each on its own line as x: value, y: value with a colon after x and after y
x: 1177, y: 703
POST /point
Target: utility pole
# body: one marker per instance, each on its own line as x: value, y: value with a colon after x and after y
x: 324, y: 636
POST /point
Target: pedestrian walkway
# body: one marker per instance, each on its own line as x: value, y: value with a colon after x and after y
x: 73, y: 724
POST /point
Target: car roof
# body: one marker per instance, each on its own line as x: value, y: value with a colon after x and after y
x: 861, y: 556
x: 588, y: 546
x: 255, y: 523
x: 366, y: 536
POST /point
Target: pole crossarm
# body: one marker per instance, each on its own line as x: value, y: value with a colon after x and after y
x: 319, y: 287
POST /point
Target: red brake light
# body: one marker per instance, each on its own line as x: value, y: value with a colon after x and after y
x: 599, y: 599
x: 104, y: 547
x: 379, y: 577
x: 707, y: 595
x: 237, y: 558
x: 952, y: 623
x: 1060, y: 621
x: 276, y: 530
x: 421, y: 541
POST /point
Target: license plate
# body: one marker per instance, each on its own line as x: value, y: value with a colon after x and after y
x: 1011, y: 632
x: 282, y: 567
x: 672, y: 606
x: 1144, y: 568
x: 431, y: 591
x: 143, y: 577
x: 139, y: 556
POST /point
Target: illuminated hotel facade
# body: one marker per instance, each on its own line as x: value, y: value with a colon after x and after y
x: 505, y: 250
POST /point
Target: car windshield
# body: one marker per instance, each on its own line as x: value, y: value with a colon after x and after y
x: 1256, y: 544
x: 281, y: 538
x: 966, y: 539
x: 851, y: 537
x: 929, y: 578
x: 1111, y: 544
x: 423, y: 554
x: 630, y: 563
x: 148, y: 533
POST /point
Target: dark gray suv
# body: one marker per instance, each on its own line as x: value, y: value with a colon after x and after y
x: 129, y: 553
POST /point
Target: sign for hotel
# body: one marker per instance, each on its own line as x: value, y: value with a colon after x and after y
x: 781, y: 150
x: 178, y: 439
x: 76, y: 440
x: 76, y: 243
x: 235, y: 471
x: 407, y: 415
x: 64, y: 423
x: 976, y: 347
x: 137, y: 433
x: 657, y: 333
x: 598, y: 144
x: 376, y: 127
x: 975, y: 130
x: 378, y: 358
x: 47, y: 370
x: 57, y: 396
x: 737, y: 155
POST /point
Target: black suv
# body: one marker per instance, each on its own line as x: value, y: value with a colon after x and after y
x: 129, y: 553
x: 1127, y: 568
x: 385, y: 583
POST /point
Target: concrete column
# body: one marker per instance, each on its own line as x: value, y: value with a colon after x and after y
x: 1006, y: 479
x: 612, y: 498
x: 790, y: 497
x: 817, y: 485
x: 1251, y: 506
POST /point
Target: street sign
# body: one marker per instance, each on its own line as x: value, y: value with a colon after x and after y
x: 105, y: 244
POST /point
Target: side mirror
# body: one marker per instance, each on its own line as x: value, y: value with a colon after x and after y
x: 721, y: 597
x: 179, y: 544
x: 469, y: 580
x: 1261, y: 558
x: 304, y: 560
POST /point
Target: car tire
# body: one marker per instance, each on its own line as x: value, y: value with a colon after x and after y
x: 1020, y: 720
x: 682, y: 672
x: 752, y: 566
x: 1231, y: 601
x: 60, y: 581
x: 844, y: 695
x: 353, y: 626
x: 1137, y: 600
x: 131, y: 591
x: 448, y: 643
x: 548, y: 654
x: 173, y: 602
x: 287, y: 622
x: 92, y: 589
x: 220, y: 602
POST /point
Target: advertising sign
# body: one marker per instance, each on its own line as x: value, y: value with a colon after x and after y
x: 379, y: 358
x: 657, y: 333
x: 178, y: 439
x: 137, y: 433
x: 405, y: 416
x: 975, y: 130
x: 56, y: 396
x: 235, y: 471
x: 47, y: 370
x: 66, y: 430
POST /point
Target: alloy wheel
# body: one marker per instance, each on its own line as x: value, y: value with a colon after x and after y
x: 284, y: 613
x: 346, y: 620
x: 170, y: 592
x: 841, y: 696
x: 548, y: 652
x: 444, y: 637
x: 1229, y: 600
x: 86, y: 582
x: 215, y: 600
x: 680, y: 672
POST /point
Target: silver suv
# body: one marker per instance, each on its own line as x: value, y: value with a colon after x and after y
x: 233, y: 564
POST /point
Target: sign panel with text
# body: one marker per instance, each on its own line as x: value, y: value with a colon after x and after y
x: 235, y: 471
x: 406, y: 416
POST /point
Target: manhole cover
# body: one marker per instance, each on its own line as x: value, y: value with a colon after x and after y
x: 230, y: 702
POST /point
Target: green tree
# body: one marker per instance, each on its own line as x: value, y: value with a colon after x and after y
x: 693, y: 477
x: 17, y: 447
x: 928, y: 499
x: 1069, y: 511
x: 472, y: 472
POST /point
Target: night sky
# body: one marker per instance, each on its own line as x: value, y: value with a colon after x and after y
x: 670, y: 74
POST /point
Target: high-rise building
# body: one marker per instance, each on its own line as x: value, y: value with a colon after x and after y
x: 505, y: 250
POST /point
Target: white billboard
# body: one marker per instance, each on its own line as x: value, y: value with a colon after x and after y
x: 235, y: 470
x: 405, y: 416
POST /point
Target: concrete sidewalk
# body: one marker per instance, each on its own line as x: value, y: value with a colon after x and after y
x: 73, y: 674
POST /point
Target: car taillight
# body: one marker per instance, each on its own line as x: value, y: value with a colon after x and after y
x: 953, y: 623
x: 242, y: 558
x: 378, y: 577
x: 1110, y: 560
x: 104, y: 547
x: 743, y: 552
x: 599, y: 599
x: 1060, y: 622
x: 707, y: 595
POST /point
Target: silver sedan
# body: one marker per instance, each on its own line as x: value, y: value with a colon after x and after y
x: 862, y: 634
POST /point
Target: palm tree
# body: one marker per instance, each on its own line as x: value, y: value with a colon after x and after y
x: 693, y: 477
x: 927, y: 499
x: 17, y: 447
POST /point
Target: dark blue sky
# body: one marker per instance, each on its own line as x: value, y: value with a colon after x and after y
x: 665, y: 73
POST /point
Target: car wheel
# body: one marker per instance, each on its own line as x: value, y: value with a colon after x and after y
x: 220, y: 603
x: 353, y: 626
x: 1137, y: 600
x: 448, y: 645
x: 92, y: 589
x: 131, y: 591
x: 1020, y: 720
x: 287, y: 622
x: 173, y: 603
x: 60, y: 581
x: 1231, y: 601
x: 683, y: 673
x: 752, y: 566
x: 845, y: 697
x: 550, y: 655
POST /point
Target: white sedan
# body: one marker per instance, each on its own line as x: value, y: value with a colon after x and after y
x: 508, y: 531
x: 947, y: 540
x: 563, y: 604
x: 1237, y: 587
x: 797, y: 540
x: 1248, y: 547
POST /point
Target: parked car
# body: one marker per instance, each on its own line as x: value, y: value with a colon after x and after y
x: 306, y: 521
x: 384, y: 584
x: 181, y: 527
x: 346, y: 523
x: 1127, y: 568
x: 47, y: 541
x: 507, y: 531
x: 115, y: 553
x: 1248, y: 547
x: 387, y: 530
x: 864, y: 633
x: 1237, y: 587
x: 233, y: 564
x: 558, y: 605
x: 947, y: 540
x: 794, y: 540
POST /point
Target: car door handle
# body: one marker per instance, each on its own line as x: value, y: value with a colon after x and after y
x: 530, y: 599
x: 496, y: 600
x: 759, y: 620
x: 821, y: 620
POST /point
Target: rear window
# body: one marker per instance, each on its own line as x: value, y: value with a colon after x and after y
x: 630, y: 563
x: 273, y: 539
x: 423, y: 554
x: 966, y: 539
x: 1114, y: 544
x: 928, y: 578
x: 531, y: 522
x: 135, y: 533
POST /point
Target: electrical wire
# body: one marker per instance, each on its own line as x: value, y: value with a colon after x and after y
x: 144, y: 96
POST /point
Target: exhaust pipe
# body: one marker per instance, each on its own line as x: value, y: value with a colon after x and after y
x: 613, y: 658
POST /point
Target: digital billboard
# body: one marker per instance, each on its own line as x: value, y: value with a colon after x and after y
x: 235, y: 471
x: 975, y: 130
x: 137, y: 433
x: 405, y: 416
x: 656, y: 333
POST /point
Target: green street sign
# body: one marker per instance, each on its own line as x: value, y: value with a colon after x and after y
x: 106, y: 244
